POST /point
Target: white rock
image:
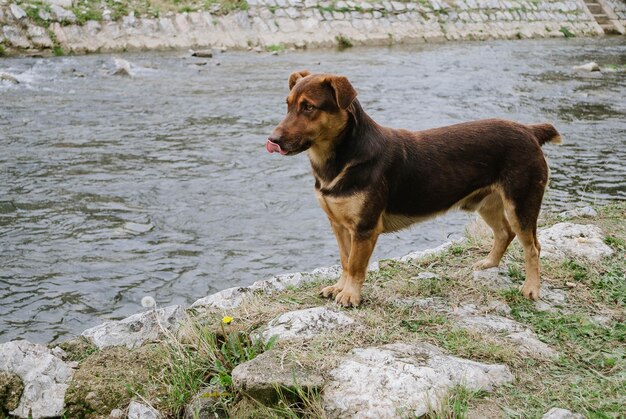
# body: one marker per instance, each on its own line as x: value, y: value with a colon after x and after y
x: 8, y: 78
x: 432, y: 303
x: 567, y: 239
x: 45, y: 377
x: 492, y: 323
x: 558, y: 413
x: 261, y: 377
x: 421, y: 254
x: 426, y: 275
x: 17, y: 12
x: 137, y: 329
x: 550, y: 299
x: 529, y: 344
x: 228, y: 298
x: 592, y: 66
x: 499, y: 307
x: 122, y: 68
x: 138, y: 410
x: 402, y: 380
x: 516, y: 332
x: 63, y: 3
x: 62, y: 15
x: 601, y: 320
x: 579, y: 212
x: 116, y: 414
x: 494, y: 278
x: 305, y: 324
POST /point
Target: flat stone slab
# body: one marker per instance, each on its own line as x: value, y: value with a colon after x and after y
x: 512, y: 331
x: 558, y: 413
x: 573, y: 240
x: 137, y: 329
x: 402, y: 380
x: 45, y: 378
x: 138, y: 410
x: 233, y: 297
x: 262, y: 377
x: 579, y: 212
x: 422, y: 254
x: 305, y: 324
x: 496, y: 279
x: 228, y: 298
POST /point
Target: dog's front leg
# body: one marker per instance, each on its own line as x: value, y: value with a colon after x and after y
x: 342, y: 235
x: 361, y: 248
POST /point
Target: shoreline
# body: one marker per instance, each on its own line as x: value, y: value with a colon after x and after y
x: 44, y: 29
x: 426, y: 309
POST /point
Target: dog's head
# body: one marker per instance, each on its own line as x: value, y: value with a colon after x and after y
x: 316, y: 112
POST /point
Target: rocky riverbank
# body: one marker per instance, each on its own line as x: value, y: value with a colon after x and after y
x: 79, y: 26
x: 432, y: 338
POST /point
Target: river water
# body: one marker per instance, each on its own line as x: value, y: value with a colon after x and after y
x: 115, y: 188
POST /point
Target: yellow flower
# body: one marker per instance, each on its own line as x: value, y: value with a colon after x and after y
x: 227, y: 319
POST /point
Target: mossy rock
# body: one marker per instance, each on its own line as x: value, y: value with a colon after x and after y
x: 110, y: 378
x: 11, y: 388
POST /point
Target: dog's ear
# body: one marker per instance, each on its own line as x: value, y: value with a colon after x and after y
x: 295, y: 76
x: 344, y: 92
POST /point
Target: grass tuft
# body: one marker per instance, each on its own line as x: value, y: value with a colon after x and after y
x: 343, y: 42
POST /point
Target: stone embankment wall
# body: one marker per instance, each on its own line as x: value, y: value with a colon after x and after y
x: 618, y: 8
x: 278, y: 24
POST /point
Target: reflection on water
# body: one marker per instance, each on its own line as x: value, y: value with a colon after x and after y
x: 115, y: 188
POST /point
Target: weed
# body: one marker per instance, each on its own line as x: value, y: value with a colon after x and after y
x: 455, y: 404
x: 2, y: 50
x: 83, y: 15
x: 209, y: 358
x: 515, y: 272
x: 578, y: 271
x: 343, y: 42
x: 32, y: 11
x: 565, y: 31
x: 275, y: 48
x: 456, y: 249
x: 615, y: 242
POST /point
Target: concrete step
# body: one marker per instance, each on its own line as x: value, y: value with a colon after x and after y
x: 601, y: 19
x: 595, y: 8
x: 609, y: 29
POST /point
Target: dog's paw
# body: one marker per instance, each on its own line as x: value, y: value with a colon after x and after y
x: 530, y: 291
x: 484, y: 264
x: 331, y: 291
x: 348, y: 298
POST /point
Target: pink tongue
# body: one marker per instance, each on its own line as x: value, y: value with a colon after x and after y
x: 273, y: 147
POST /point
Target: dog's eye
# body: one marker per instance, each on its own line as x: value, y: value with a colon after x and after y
x: 307, y: 107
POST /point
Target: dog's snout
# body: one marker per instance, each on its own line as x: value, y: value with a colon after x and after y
x: 276, y: 135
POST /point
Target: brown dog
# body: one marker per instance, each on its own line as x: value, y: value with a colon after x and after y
x: 371, y: 179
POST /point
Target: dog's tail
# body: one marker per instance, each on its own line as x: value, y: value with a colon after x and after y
x: 546, y: 133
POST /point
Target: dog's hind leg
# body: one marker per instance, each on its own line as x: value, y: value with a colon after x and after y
x: 491, y: 210
x: 523, y: 218
x: 342, y: 235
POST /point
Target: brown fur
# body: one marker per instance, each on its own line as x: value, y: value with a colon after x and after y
x: 371, y: 179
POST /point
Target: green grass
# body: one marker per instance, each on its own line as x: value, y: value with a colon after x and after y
x: 32, y: 11
x: 343, y: 42
x: 210, y: 358
x: 2, y: 50
x: 455, y: 404
x: 275, y: 48
x: 565, y: 31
